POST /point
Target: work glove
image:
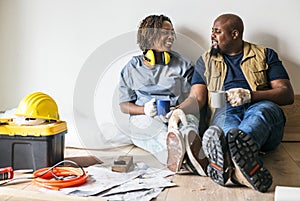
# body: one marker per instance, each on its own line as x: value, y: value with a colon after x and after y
x: 177, y: 116
x: 165, y: 118
x: 238, y: 96
x: 150, y: 108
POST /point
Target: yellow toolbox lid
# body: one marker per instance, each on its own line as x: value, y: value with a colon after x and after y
x: 45, y: 129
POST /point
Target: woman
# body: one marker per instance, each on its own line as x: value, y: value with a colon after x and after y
x: 157, y: 74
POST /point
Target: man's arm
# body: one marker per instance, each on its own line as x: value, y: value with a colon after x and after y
x: 195, y: 101
x: 281, y: 93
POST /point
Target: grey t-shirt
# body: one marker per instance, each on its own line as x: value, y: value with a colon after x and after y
x: 139, y: 83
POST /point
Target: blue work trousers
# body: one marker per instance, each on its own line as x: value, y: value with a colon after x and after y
x: 264, y: 121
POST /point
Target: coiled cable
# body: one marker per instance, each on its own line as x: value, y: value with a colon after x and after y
x: 57, y: 177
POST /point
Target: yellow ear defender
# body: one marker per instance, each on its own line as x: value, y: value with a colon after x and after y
x: 149, y: 55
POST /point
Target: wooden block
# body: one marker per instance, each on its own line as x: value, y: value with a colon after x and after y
x: 123, y: 164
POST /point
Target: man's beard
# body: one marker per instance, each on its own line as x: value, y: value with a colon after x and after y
x: 214, y: 51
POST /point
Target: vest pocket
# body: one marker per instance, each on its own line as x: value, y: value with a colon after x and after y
x: 214, y: 81
x: 258, y: 75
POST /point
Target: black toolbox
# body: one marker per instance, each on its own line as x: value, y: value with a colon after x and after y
x: 32, y: 147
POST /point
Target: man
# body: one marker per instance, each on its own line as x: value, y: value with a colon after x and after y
x: 255, y: 82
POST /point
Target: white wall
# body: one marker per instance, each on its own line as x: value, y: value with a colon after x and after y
x: 45, y: 43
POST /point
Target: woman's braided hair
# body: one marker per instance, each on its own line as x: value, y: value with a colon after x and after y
x: 148, y: 30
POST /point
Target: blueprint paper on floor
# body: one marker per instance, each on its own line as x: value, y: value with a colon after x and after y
x: 143, y: 188
x: 101, y: 179
x: 143, y: 182
x: 152, y: 179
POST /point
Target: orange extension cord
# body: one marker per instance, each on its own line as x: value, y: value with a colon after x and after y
x: 57, y: 177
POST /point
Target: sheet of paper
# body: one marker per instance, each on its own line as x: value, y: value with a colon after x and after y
x: 152, y: 179
x: 143, y: 183
x: 101, y: 179
x: 285, y: 193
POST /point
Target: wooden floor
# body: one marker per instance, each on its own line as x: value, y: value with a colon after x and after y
x: 283, y: 163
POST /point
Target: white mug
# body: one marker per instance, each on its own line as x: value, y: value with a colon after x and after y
x: 218, y: 99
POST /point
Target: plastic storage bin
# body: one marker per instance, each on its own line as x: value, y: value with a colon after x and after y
x: 32, y: 147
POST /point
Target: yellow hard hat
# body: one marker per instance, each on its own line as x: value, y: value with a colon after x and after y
x: 38, y: 105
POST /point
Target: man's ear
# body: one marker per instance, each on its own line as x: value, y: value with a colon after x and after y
x: 235, y: 34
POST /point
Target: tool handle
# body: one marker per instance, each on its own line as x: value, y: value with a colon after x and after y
x: 6, y: 173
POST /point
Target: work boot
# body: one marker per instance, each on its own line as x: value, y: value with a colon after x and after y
x: 249, y: 169
x: 176, y: 150
x: 216, y: 150
x: 196, y: 157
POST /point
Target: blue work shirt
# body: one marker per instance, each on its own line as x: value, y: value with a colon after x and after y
x: 235, y: 77
x: 139, y: 83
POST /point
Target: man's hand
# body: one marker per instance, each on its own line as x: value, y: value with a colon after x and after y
x: 177, y: 116
x: 238, y: 96
x: 150, y: 108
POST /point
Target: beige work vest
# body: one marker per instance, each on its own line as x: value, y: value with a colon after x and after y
x: 253, y: 66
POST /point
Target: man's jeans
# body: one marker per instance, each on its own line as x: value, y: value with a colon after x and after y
x: 263, y: 120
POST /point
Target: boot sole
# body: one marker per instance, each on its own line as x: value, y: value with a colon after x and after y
x: 195, y: 153
x: 215, y: 148
x: 176, y: 151
x: 249, y: 168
